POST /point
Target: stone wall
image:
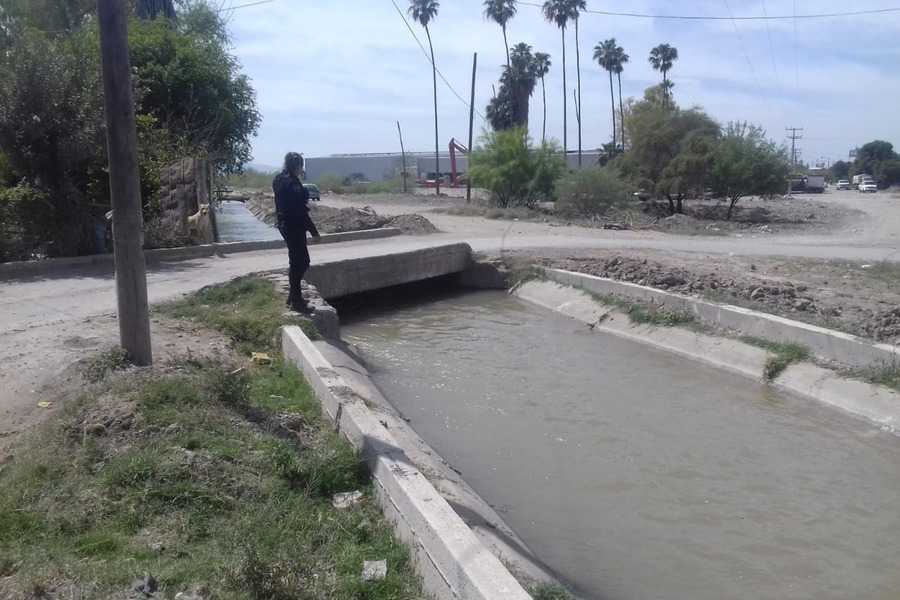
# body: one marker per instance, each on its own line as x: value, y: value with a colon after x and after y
x: 187, y: 186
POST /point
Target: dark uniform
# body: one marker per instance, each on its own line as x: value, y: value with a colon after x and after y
x: 292, y: 208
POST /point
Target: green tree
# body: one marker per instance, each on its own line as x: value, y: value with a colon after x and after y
x: 560, y: 12
x: 51, y: 130
x: 841, y: 169
x: 747, y: 163
x: 425, y: 11
x: 500, y: 12
x: 150, y: 9
x: 515, y: 173
x: 662, y: 58
x: 542, y: 64
x: 868, y: 157
x: 606, y: 56
x: 193, y: 87
x: 668, y: 150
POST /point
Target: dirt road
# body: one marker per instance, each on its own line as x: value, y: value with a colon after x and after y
x: 53, y: 321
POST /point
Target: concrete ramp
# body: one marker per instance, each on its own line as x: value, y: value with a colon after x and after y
x: 355, y: 275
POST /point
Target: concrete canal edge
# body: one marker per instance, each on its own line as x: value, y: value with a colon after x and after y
x: 36, y: 267
x: 876, y: 404
x: 451, y: 560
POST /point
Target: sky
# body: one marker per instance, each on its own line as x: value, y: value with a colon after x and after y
x: 336, y: 76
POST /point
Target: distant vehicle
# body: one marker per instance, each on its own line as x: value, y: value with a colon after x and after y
x: 868, y: 187
x: 857, y: 179
x: 843, y: 184
x: 815, y: 184
x: 313, y: 190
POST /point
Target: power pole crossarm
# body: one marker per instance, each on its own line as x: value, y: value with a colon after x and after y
x: 124, y: 182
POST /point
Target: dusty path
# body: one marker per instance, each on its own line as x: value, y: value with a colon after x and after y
x: 52, y: 321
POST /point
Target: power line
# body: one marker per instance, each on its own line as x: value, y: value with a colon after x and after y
x: 718, y: 18
x: 774, y: 63
x: 747, y: 56
x: 244, y: 5
x: 797, y: 63
x: 428, y: 56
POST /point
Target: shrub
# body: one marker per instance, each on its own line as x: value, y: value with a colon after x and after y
x: 515, y: 173
x: 589, y: 191
x: 331, y: 182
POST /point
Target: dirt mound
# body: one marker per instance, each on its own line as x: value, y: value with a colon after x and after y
x: 333, y: 220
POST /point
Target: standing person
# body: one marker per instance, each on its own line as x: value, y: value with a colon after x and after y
x: 292, y: 208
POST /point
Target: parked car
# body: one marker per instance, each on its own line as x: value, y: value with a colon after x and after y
x: 843, y: 184
x: 313, y: 190
x: 868, y: 186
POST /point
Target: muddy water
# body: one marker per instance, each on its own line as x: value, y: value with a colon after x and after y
x: 635, y: 474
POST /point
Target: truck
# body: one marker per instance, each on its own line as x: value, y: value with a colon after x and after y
x: 857, y: 179
x: 815, y: 184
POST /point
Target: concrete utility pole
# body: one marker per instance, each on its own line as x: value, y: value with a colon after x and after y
x: 794, y: 136
x: 402, y: 156
x: 124, y: 182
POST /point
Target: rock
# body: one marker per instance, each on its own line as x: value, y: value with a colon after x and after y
x: 756, y: 294
x: 94, y: 430
x: 201, y: 592
x: 158, y: 547
x: 374, y: 570
x: 173, y: 429
x: 802, y: 304
x: 146, y: 586
x: 346, y: 499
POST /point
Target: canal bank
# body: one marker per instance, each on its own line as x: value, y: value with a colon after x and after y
x: 746, y: 361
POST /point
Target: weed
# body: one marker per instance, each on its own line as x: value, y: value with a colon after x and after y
x: 100, y: 366
x: 249, y: 310
x: 782, y: 355
x: 520, y: 275
x: 886, y: 375
x: 548, y: 591
x: 640, y: 314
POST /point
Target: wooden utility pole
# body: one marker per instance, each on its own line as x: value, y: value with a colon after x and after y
x: 402, y: 156
x: 124, y: 182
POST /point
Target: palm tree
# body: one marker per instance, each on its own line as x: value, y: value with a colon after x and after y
x: 500, y: 12
x: 542, y: 67
x: 661, y: 59
x: 621, y: 61
x: 574, y: 7
x: 424, y: 11
x: 605, y: 55
x: 559, y: 11
x: 520, y: 78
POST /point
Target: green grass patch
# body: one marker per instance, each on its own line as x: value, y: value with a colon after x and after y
x: 100, y: 366
x: 886, y: 375
x: 521, y: 274
x: 548, y: 591
x: 204, y: 474
x: 782, y: 355
x: 640, y: 314
x: 249, y: 310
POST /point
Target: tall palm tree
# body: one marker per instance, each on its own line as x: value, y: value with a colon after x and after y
x: 520, y: 78
x: 559, y: 12
x: 500, y: 12
x: 542, y: 67
x: 575, y: 6
x: 424, y: 11
x: 661, y: 59
x: 605, y: 55
x: 621, y: 60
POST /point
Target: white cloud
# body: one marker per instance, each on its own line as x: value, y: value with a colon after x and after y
x: 335, y: 77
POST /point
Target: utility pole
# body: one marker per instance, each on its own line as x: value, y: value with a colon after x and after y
x: 403, y: 156
x: 471, y: 124
x: 794, y: 136
x: 124, y: 183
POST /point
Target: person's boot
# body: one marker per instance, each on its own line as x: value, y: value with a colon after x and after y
x: 301, y: 306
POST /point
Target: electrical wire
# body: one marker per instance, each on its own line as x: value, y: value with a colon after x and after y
x: 244, y: 5
x: 797, y: 65
x: 774, y: 64
x: 747, y: 56
x: 718, y: 18
x: 428, y: 56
